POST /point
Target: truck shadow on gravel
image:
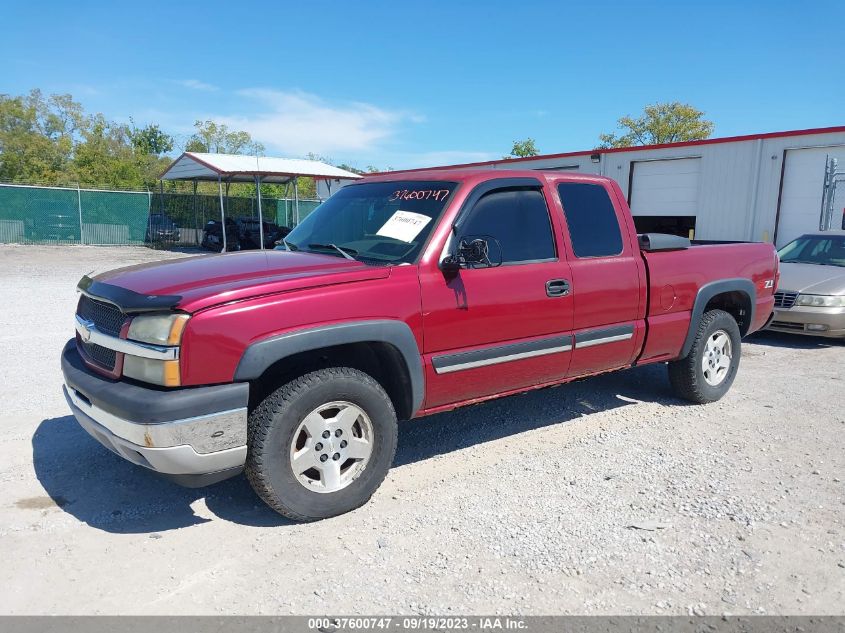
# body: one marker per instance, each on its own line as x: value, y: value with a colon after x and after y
x: 106, y: 492
x: 791, y: 341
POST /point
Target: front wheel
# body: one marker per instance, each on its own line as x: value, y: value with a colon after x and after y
x: 322, y: 444
x: 708, y: 371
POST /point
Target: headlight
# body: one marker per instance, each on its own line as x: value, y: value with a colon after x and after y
x: 158, y: 329
x: 821, y: 301
x: 155, y: 329
x: 157, y: 372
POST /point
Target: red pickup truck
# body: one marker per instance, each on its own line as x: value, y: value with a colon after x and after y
x: 400, y: 296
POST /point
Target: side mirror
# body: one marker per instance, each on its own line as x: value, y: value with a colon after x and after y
x: 450, y: 264
x: 472, y: 252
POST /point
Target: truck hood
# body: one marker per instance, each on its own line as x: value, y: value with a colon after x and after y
x: 194, y: 283
x: 812, y: 279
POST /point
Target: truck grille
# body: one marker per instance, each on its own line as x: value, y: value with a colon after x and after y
x: 108, y: 319
x: 786, y: 325
x: 784, y: 299
x: 105, y: 316
x: 101, y: 355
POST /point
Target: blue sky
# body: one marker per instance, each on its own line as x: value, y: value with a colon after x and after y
x: 406, y: 84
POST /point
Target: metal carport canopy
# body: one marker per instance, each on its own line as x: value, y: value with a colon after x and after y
x: 258, y: 169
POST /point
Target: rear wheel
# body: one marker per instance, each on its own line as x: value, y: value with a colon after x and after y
x: 708, y: 371
x: 322, y: 444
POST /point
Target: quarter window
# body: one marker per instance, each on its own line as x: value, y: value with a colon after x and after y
x: 518, y: 219
x: 591, y: 218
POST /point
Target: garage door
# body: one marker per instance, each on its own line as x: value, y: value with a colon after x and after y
x: 803, y: 188
x: 665, y: 187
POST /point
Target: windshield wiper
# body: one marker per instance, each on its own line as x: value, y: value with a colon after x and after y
x: 346, y: 252
x: 290, y: 246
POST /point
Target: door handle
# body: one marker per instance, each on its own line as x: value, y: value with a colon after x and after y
x: 557, y: 287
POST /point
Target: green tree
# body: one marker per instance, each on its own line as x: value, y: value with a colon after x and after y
x: 217, y: 138
x: 370, y: 169
x: 37, y: 135
x: 354, y: 170
x: 523, y: 149
x: 53, y: 141
x: 673, y: 122
x: 106, y: 156
x: 150, y: 139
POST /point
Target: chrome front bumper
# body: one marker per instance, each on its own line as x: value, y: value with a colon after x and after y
x: 155, y: 428
x: 829, y: 322
x: 189, y: 446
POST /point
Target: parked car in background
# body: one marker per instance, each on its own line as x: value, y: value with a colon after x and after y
x: 250, y: 235
x: 810, y: 298
x: 400, y: 296
x: 280, y: 234
x: 49, y: 221
x: 61, y: 227
x: 161, y: 229
x: 212, y: 237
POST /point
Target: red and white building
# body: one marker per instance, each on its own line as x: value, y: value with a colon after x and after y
x: 760, y: 187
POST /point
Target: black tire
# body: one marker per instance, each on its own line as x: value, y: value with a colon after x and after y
x: 272, y: 426
x: 687, y: 374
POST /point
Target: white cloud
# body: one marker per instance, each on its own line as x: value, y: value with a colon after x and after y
x: 85, y: 89
x: 196, y: 84
x: 296, y: 123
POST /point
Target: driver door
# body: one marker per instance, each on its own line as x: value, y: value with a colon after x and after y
x: 489, y: 330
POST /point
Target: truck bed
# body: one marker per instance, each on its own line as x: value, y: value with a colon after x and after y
x: 674, y: 280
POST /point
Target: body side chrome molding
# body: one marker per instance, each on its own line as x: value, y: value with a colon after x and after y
x: 90, y: 334
x: 448, y: 363
x: 602, y: 341
x: 604, y: 335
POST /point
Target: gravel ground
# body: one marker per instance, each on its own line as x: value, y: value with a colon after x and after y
x: 605, y: 496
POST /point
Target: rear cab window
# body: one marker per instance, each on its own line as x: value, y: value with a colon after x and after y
x: 591, y: 218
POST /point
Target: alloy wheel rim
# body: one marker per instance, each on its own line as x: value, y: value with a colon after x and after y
x: 717, y: 358
x: 331, y: 447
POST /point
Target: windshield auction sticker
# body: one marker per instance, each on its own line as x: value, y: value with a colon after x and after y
x: 404, y: 226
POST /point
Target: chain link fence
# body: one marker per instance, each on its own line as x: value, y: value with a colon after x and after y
x: 31, y: 214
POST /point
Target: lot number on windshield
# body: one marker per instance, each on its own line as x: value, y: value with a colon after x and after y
x: 420, y: 194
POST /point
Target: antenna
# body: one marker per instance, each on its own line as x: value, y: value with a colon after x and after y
x: 258, y: 197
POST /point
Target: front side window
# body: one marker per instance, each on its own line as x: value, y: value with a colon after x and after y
x: 377, y: 222
x: 517, y: 220
x: 591, y: 218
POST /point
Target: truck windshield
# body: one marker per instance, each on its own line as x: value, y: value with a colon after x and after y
x: 815, y: 249
x: 377, y: 223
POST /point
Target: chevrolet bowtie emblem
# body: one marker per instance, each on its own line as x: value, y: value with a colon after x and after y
x: 85, y: 334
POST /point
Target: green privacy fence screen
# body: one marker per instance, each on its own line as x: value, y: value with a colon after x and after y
x: 286, y: 210
x: 65, y: 215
